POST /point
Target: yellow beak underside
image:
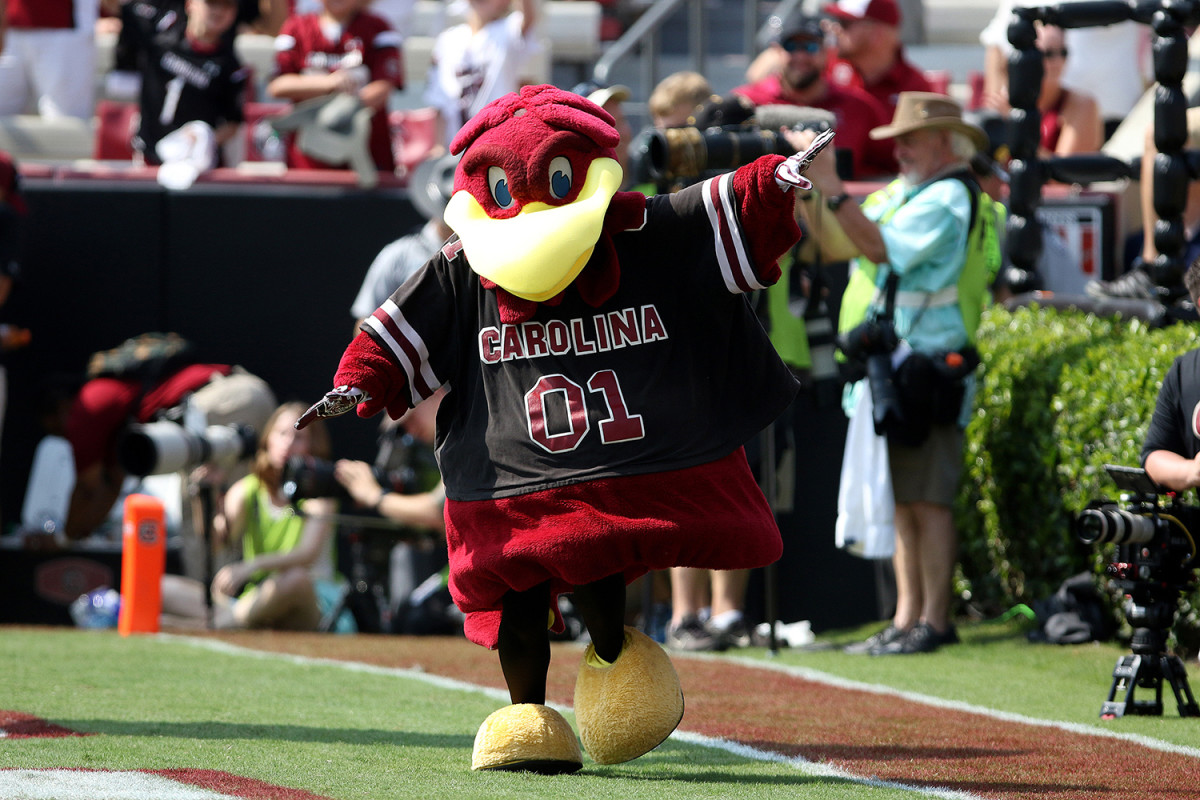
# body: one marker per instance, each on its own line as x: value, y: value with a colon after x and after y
x: 536, y: 254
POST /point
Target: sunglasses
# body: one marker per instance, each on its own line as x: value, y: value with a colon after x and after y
x: 1055, y: 53
x: 810, y: 46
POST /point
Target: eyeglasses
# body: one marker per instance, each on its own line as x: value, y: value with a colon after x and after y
x: 1055, y: 53
x: 810, y: 46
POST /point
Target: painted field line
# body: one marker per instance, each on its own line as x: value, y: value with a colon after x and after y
x: 828, y: 679
x: 798, y: 763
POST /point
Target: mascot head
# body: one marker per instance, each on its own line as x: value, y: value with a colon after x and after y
x: 532, y: 189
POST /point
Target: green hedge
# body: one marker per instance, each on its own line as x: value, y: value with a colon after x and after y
x: 1061, y: 394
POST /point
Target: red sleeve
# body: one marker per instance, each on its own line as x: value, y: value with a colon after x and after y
x: 383, y: 56
x: 99, y: 411
x: 767, y: 215
x: 289, y: 61
x: 367, y: 365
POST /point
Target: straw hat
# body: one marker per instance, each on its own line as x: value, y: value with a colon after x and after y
x: 918, y: 110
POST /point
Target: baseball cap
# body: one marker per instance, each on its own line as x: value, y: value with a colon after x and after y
x: 600, y: 94
x: 800, y: 24
x: 885, y: 11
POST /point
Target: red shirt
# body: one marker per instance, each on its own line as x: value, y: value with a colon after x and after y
x: 902, y: 77
x: 41, y: 13
x: 367, y: 40
x: 105, y: 405
x: 856, y: 113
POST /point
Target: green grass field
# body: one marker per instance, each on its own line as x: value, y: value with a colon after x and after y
x: 371, y: 732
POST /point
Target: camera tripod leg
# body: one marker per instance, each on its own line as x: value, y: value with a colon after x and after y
x: 1172, y: 667
x: 1147, y: 672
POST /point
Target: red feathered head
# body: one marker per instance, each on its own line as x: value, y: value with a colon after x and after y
x: 533, y: 188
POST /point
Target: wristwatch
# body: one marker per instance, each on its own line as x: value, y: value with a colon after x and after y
x: 835, y: 202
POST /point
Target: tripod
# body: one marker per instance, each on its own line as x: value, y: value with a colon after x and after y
x: 1146, y: 668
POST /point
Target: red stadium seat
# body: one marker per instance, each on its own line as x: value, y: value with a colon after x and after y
x: 116, y: 123
x: 414, y: 135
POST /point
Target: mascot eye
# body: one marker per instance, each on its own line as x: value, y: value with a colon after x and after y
x: 560, y: 177
x: 498, y: 185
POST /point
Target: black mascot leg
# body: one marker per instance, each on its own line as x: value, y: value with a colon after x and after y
x: 524, y: 643
x: 602, y: 606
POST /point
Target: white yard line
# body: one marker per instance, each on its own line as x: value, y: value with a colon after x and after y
x: 799, y: 763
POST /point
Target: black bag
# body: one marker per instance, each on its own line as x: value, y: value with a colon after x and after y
x: 930, y: 390
x: 1074, y: 614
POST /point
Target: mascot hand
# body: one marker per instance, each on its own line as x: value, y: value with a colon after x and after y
x: 790, y: 172
x: 367, y: 378
x: 333, y: 404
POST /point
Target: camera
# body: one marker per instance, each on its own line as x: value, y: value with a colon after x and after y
x: 1153, y: 565
x: 305, y: 477
x: 158, y: 448
x: 724, y: 134
x: 873, y: 337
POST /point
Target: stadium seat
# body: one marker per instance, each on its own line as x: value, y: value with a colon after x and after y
x: 414, y: 135
x: 116, y: 123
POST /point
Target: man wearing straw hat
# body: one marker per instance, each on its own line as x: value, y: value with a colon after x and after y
x: 921, y: 229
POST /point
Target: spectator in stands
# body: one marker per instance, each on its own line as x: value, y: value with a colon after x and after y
x: 479, y: 61
x: 1109, y: 62
x: 610, y: 99
x: 48, y: 62
x: 870, y: 55
x: 287, y: 550
x: 676, y: 97
x: 12, y: 210
x: 430, y: 188
x: 1140, y: 250
x: 343, y: 48
x: 803, y: 82
x: 1070, y: 118
x: 104, y: 406
x: 181, y: 69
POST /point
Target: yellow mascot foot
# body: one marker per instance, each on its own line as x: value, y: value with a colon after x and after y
x: 526, y: 737
x: 627, y: 708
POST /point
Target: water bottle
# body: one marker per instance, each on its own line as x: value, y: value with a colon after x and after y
x: 97, y: 609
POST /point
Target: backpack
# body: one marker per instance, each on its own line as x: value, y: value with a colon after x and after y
x: 147, y: 358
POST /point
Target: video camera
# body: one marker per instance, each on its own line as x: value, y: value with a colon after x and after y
x: 158, y: 448
x: 1154, y: 564
x: 305, y: 477
x: 724, y: 134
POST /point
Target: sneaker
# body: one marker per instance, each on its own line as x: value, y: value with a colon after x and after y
x: 921, y: 639
x: 735, y: 636
x: 1133, y: 285
x: 692, y: 636
x: 886, y: 636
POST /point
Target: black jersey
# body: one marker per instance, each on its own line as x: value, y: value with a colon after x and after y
x: 181, y: 82
x: 1175, y: 425
x: 672, y: 371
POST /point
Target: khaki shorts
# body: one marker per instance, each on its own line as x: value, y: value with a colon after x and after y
x: 928, y: 473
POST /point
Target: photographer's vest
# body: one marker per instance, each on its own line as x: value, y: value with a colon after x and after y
x: 979, y: 269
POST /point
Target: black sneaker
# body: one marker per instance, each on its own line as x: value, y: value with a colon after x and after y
x: 735, y: 636
x: 1133, y: 285
x: 692, y: 636
x: 921, y: 639
x: 886, y: 636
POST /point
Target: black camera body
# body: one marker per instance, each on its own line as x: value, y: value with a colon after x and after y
x: 1155, y: 551
x: 1155, y: 563
x: 305, y: 477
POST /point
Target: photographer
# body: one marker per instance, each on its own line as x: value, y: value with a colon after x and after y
x: 1171, y: 453
x: 917, y: 234
x: 287, y: 551
x: 419, y: 510
x: 106, y: 405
